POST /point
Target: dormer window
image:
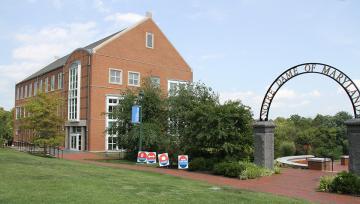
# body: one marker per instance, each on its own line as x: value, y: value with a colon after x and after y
x: 149, y: 40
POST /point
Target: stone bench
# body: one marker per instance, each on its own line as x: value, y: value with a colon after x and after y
x: 344, y: 160
x: 321, y: 164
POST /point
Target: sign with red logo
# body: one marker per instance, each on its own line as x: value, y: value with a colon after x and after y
x: 183, y: 161
x: 151, y: 158
x: 163, y: 159
x: 141, y: 158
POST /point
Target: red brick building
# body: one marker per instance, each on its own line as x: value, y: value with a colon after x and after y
x: 91, y: 79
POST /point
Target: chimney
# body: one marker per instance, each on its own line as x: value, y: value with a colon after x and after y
x: 148, y: 14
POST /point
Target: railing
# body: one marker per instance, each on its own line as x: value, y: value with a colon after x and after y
x: 31, y: 148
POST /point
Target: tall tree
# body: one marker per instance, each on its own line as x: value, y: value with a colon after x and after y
x: 44, y: 119
x: 6, y: 125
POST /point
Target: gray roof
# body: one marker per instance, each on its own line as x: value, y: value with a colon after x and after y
x: 61, y: 61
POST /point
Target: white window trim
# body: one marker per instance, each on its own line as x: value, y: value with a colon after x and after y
x: 30, y: 90
x: 46, y: 84
x: 146, y: 40
x: 178, y: 82
x: 17, y: 93
x: 107, y: 120
x: 78, y: 92
x: 129, y: 78
x: 60, y: 81
x: 52, y: 83
x: 26, y: 91
x: 36, y: 87
x: 121, y: 76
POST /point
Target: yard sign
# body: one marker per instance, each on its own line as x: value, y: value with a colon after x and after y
x: 151, y: 158
x: 163, y: 159
x: 141, y: 158
x: 183, y: 162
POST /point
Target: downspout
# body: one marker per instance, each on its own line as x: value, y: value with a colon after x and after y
x: 88, y: 102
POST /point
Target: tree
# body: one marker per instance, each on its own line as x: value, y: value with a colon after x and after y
x: 44, y: 120
x: 206, y: 128
x: 154, y: 120
x: 6, y: 125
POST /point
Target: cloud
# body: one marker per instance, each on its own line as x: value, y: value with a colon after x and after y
x: 124, y: 19
x: 57, y: 4
x: 37, y: 48
x: 100, y: 6
x: 285, y: 102
x: 43, y: 45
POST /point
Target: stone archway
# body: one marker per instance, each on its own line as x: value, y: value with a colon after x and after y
x: 264, y: 129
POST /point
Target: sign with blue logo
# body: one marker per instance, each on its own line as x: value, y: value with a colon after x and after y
x: 135, y: 114
x: 142, y: 157
x: 151, y: 158
x: 183, y: 162
x: 163, y: 159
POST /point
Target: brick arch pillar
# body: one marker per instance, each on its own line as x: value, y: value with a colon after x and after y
x: 264, y: 143
x: 353, y: 134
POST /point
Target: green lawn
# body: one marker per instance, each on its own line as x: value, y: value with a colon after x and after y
x: 30, y: 179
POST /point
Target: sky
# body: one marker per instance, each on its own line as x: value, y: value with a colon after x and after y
x: 236, y: 47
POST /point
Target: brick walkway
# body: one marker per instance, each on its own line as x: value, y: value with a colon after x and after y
x: 296, y: 183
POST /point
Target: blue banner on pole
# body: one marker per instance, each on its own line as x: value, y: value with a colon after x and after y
x: 135, y: 114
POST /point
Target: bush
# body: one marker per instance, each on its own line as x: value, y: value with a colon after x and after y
x: 325, y: 183
x: 229, y: 169
x: 277, y: 167
x: 197, y: 164
x: 347, y: 183
x: 202, y: 164
x: 253, y: 171
x: 287, y: 149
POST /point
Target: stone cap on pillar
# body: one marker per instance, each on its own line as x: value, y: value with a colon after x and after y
x: 353, y: 125
x: 264, y: 126
x: 353, y: 122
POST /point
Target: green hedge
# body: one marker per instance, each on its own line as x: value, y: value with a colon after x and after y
x: 344, y: 183
x: 242, y: 170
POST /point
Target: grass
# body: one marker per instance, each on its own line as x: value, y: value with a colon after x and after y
x: 30, y: 179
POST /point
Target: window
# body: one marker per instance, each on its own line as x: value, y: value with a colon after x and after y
x: 26, y: 91
x: 30, y: 90
x: 134, y: 79
x: 18, y: 93
x: 74, y: 92
x: 111, y: 137
x: 46, y: 84
x: 35, y: 87
x: 22, y: 92
x: 41, y: 86
x: 18, y: 112
x: 155, y: 81
x: 115, y: 76
x: 173, y: 86
x: 149, y: 40
x: 52, y: 83
x: 60, y: 80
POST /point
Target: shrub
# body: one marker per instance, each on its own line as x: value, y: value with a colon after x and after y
x: 229, y: 169
x: 197, y: 164
x: 287, y: 149
x: 325, y: 183
x: 347, y: 183
x: 253, y: 171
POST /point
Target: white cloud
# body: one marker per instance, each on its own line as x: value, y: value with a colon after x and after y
x: 100, y: 6
x: 48, y: 42
x: 286, y: 100
x: 37, y: 48
x: 124, y: 19
x: 57, y: 4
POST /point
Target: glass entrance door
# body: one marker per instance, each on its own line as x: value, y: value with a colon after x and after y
x: 75, y: 142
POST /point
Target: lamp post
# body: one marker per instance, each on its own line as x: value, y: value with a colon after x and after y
x: 141, y: 95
